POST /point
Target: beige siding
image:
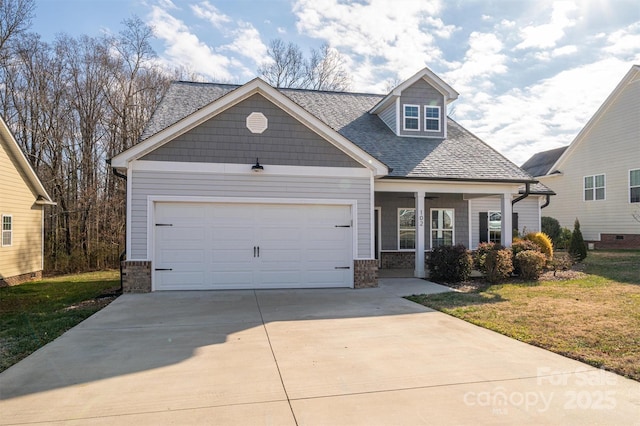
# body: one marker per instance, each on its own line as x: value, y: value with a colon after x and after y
x: 147, y: 183
x: 16, y: 199
x: 612, y: 148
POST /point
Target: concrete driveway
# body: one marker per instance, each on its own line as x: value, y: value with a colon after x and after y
x: 306, y: 357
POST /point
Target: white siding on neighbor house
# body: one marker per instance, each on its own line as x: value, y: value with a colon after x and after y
x: 612, y: 148
x: 528, y: 214
x: 201, y: 184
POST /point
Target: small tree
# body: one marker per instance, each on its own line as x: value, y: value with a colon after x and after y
x: 552, y: 228
x: 577, y: 248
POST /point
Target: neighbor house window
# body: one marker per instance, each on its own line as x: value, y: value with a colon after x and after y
x: 432, y: 118
x: 495, y: 227
x: 406, y: 229
x: 594, y: 188
x: 411, y: 117
x: 7, y: 230
x: 634, y: 186
x: 441, y: 227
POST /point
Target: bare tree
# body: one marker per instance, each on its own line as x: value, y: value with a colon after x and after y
x: 15, y: 19
x: 288, y: 68
x: 325, y: 70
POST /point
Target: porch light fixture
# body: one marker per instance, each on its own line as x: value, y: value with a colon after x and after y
x: 257, y: 168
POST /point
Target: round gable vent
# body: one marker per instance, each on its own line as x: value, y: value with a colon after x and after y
x: 257, y: 122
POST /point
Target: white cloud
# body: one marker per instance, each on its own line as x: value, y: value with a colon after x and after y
x: 378, y: 34
x: 625, y: 41
x: 185, y: 49
x: 206, y: 10
x: 547, y: 35
x: 247, y: 42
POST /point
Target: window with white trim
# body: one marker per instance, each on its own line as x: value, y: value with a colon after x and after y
x: 442, y: 227
x: 594, y: 187
x: 7, y: 230
x: 406, y: 229
x: 432, y: 118
x: 634, y: 186
x: 495, y: 227
x: 411, y: 117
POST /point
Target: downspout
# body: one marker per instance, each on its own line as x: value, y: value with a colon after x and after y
x: 546, y: 203
x: 123, y: 255
x: 523, y: 196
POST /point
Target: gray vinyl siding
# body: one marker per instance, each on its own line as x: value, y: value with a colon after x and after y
x: 226, y: 139
x: 528, y: 214
x: 146, y: 183
x: 421, y: 93
x: 390, y: 202
x: 389, y: 116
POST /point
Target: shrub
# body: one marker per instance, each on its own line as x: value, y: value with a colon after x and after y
x: 450, y: 263
x: 543, y: 241
x: 577, y: 248
x: 530, y: 263
x: 564, y: 240
x: 480, y: 255
x: 552, y: 228
x: 519, y: 246
x: 498, y: 264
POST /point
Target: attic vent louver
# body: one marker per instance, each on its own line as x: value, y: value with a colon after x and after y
x: 257, y: 122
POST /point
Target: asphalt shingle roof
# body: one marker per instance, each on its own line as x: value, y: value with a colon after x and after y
x: 461, y: 155
x: 540, y: 164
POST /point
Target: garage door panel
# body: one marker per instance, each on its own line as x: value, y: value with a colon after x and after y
x: 211, y: 246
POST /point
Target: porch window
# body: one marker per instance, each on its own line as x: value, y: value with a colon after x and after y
x: 634, y: 186
x: 411, y: 117
x: 432, y: 118
x: 7, y: 231
x: 594, y: 187
x: 495, y: 227
x: 442, y: 227
x: 406, y: 229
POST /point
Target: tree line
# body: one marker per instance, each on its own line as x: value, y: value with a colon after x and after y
x: 76, y: 102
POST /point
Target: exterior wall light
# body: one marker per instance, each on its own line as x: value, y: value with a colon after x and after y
x: 257, y: 168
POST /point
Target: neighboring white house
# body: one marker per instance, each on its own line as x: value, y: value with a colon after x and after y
x: 249, y: 186
x: 597, y: 177
x: 22, y: 198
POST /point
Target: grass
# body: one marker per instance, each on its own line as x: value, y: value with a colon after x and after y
x: 594, y: 318
x: 35, y: 313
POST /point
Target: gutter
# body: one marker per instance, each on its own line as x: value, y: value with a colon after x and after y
x: 527, y: 191
x: 546, y: 203
x: 123, y: 255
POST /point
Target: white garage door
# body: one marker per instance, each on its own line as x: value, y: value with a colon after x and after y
x: 202, y: 246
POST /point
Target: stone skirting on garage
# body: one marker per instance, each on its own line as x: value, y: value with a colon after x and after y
x: 136, y: 276
x: 365, y: 273
x: 19, y: 279
x: 399, y: 259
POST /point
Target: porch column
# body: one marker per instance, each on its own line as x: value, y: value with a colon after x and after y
x: 419, y: 271
x: 507, y: 220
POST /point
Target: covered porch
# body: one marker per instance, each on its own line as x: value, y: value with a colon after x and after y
x: 414, y: 217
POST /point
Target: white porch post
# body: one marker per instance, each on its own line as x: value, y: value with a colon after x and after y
x: 507, y: 220
x: 419, y: 271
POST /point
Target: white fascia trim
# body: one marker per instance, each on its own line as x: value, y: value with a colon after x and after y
x: 128, y: 212
x: 446, y: 187
x: 245, y: 169
x: 258, y: 86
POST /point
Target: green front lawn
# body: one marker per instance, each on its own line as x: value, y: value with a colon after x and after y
x: 594, y: 318
x: 35, y: 313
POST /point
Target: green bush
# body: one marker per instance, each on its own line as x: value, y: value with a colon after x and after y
x: 531, y: 263
x: 480, y: 255
x: 499, y: 265
x: 577, y: 247
x: 552, y: 228
x: 543, y: 241
x: 564, y: 240
x: 520, y: 246
x: 450, y: 264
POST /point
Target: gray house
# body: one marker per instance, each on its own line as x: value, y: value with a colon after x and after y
x: 249, y: 186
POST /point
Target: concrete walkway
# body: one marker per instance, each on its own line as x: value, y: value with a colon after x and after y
x: 305, y: 357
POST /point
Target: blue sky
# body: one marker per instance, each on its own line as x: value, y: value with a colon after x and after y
x: 530, y: 73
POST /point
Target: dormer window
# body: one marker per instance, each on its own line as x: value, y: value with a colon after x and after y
x: 432, y: 118
x: 412, y: 117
